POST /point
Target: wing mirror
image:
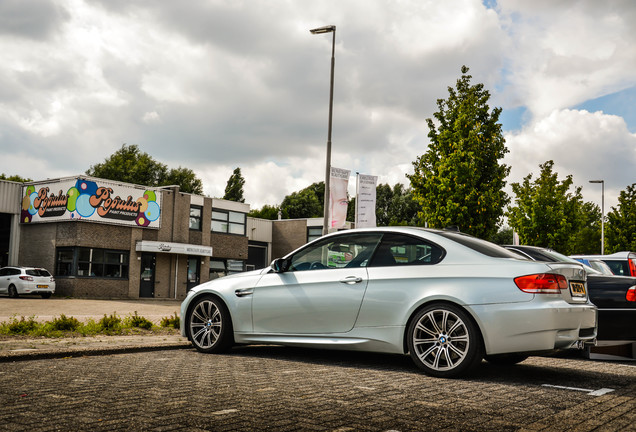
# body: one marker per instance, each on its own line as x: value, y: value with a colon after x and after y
x: 281, y: 265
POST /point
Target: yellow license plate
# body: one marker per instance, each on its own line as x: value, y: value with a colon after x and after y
x: 43, y: 286
x: 577, y: 289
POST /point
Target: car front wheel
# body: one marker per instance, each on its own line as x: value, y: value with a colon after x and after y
x: 444, y: 342
x: 210, y: 326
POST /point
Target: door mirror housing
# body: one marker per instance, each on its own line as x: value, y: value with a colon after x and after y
x: 281, y: 265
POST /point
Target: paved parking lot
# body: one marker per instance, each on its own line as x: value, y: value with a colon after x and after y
x: 285, y: 389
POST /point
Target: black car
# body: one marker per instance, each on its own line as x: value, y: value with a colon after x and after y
x: 615, y: 296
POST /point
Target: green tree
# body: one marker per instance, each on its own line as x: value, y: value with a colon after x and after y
x: 186, y: 179
x: 621, y: 226
x: 234, y: 187
x: 587, y: 240
x: 503, y: 236
x: 266, y: 212
x: 546, y: 212
x: 130, y: 165
x: 459, y: 180
x: 15, y: 178
x: 302, y: 204
x: 395, y: 206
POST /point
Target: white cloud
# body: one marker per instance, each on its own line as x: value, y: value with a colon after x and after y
x: 586, y: 145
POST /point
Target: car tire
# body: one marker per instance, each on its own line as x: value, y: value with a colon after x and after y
x: 444, y: 341
x: 13, y: 292
x: 209, y: 325
x: 46, y: 295
x: 505, y: 359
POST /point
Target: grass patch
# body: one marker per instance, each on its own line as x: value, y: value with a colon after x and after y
x: 64, y: 326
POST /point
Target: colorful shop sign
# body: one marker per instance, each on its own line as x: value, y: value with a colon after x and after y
x: 90, y: 200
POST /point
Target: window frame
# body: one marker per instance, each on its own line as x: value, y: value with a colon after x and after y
x: 198, y: 218
x: 97, y: 266
x: 222, y: 219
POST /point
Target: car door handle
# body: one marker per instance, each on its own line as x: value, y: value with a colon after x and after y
x: 244, y: 292
x: 350, y: 280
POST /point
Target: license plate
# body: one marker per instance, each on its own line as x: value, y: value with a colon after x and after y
x: 43, y: 286
x: 577, y: 289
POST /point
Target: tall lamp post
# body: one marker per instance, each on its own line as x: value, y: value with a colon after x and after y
x: 320, y: 30
x: 602, y: 182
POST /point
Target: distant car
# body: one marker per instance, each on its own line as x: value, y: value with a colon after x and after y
x: 446, y: 298
x: 621, y: 263
x: 596, y: 264
x: 16, y: 281
x: 615, y: 296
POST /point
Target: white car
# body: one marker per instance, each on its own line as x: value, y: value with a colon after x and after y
x: 16, y: 281
x: 446, y: 298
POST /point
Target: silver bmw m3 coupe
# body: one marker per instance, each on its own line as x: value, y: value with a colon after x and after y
x: 446, y: 298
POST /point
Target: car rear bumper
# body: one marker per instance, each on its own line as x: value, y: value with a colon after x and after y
x: 539, y: 325
x: 617, y: 324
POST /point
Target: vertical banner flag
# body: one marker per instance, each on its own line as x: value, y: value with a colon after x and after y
x: 338, y: 200
x: 365, y: 201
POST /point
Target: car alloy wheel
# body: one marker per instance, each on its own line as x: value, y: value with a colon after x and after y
x: 209, y: 325
x: 444, y: 342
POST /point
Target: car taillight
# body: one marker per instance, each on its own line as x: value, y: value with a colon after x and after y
x: 27, y: 278
x: 632, y: 267
x: 544, y: 283
x: 631, y: 294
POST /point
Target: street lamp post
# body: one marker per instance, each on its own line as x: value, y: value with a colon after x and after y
x: 602, y: 182
x: 320, y: 30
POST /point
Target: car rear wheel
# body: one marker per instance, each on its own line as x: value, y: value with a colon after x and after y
x: 13, y: 292
x: 46, y: 295
x: 210, y: 326
x: 444, y: 342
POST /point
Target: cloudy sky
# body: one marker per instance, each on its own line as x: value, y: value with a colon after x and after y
x: 217, y: 84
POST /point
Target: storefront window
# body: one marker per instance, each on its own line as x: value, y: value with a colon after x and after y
x: 220, y: 268
x: 92, y: 262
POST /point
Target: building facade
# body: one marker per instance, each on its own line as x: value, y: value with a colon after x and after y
x: 106, y: 239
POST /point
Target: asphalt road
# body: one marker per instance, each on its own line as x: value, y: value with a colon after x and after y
x: 285, y: 389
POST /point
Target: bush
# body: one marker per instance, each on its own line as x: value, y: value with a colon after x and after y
x: 110, y: 324
x: 64, y: 323
x: 138, y: 321
x: 172, y: 321
x: 23, y: 326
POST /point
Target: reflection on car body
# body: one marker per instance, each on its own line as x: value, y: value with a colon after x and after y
x: 446, y: 298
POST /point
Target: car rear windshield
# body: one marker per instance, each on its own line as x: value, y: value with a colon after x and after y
x: 478, y: 245
x: 37, y: 272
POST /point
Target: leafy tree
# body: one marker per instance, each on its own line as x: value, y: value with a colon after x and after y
x: 395, y: 206
x: 302, y: 204
x: 15, y: 178
x: 621, y: 227
x: 547, y: 213
x: 266, y: 212
x: 234, y: 187
x: 503, y: 236
x: 130, y: 165
x: 587, y: 239
x: 186, y: 179
x: 459, y: 180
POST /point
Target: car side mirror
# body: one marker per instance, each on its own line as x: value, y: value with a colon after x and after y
x: 281, y: 265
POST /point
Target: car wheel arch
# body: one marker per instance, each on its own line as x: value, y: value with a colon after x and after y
x: 440, y: 302
x: 195, y: 300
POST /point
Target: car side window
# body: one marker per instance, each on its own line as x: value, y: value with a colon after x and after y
x: 403, y: 250
x: 353, y: 250
x: 3, y: 272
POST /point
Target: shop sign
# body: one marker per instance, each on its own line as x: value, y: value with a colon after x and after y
x: 90, y: 200
x: 173, y: 248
